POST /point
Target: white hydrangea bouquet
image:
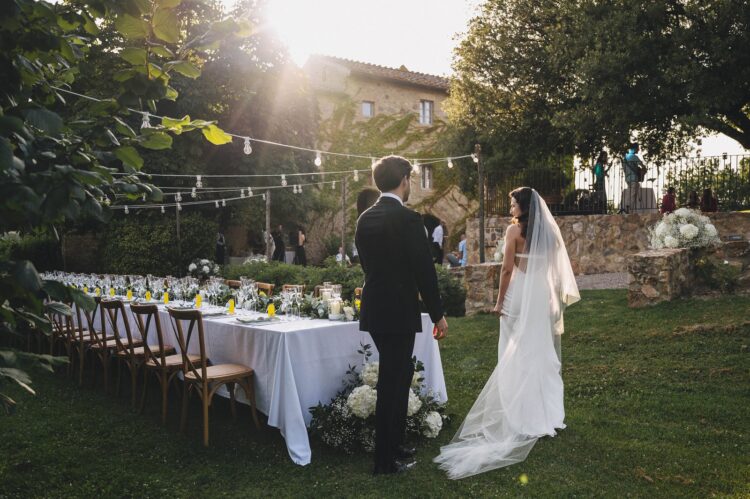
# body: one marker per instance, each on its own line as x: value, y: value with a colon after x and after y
x: 499, y: 251
x: 348, y: 422
x: 203, y: 268
x: 684, y: 228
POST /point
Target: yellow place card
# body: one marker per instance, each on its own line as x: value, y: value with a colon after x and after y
x: 271, y: 310
x: 130, y: 295
x: 111, y: 291
x: 166, y: 298
x: 198, y: 300
x: 85, y: 289
x: 98, y: 291
x: 231, y: 306
x: 148, y: 295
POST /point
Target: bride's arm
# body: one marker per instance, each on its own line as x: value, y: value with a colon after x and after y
x: 509, y: 257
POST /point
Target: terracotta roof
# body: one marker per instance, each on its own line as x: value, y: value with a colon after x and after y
x: 401, y: 74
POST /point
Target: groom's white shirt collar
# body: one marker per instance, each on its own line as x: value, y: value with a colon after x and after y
x: 392, y: 195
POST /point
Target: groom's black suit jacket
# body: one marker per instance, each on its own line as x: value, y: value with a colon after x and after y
x: 398, y: 265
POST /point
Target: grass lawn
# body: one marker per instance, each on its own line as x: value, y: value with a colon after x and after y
x: 654, y: 409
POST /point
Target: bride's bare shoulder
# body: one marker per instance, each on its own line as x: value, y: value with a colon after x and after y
x: 512, y: 232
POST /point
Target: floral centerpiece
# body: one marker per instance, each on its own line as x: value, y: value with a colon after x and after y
x: 499, y: 251
x: 203, y: 268
x: 684, y: 228
x: 347, y: 423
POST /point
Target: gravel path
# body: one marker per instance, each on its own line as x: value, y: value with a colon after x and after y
x: 615, y: 280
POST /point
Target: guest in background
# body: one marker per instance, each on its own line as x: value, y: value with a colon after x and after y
x: 709, y: 203
x: 221, y: 248
x: 342, y: 257
x: 462, y: 250
x: 693, y: 201
x: 355, y: 253
x: 601, y: 169
x: 437, y: 243
x: 278, y: 240
x: 635, y: 170
x: 668, y: 202
x: 366, y: 198
x: 454, y: 259
x: 300, y: 257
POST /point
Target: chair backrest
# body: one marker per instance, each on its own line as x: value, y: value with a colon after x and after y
x: 78, y: 324
x: 62, y: 324
x: 286, y: 287
x: 316, y: 290
x: 90, y: 316
x: 233, y: 284
x: 194, y: 321
x: 150, y: 312
x: 266, y: 288
x: 112, y: 310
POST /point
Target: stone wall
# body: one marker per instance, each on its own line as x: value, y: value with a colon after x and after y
x: 601, y: 243
x: 481, y: 283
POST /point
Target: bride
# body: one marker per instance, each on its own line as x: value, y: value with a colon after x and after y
x: 523, y: 399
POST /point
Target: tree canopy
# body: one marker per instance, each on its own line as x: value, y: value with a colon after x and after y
x: 536, y: 79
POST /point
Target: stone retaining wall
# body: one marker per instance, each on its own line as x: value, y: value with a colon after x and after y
x: 600, y: 243
x: 481, y: 283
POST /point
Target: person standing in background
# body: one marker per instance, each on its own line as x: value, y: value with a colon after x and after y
x: 437, y: 243
x: 221, y: 248
x: 601, y: 168
x: 635, y: 170
x: 668, y: 202
x: 463, y: 251
x: 709, y: 203
x: 278, y: 241
x: 300, y: 257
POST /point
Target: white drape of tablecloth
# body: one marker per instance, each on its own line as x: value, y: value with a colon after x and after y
x: 297, y: 364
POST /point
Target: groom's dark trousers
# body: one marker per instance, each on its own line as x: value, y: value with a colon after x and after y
x: 396, y: 257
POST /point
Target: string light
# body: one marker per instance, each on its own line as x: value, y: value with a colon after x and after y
x: 107, y: 201
x: 143, y: 197
x: 249, y: 192
x: 198, y: 182
x: 242, y: 193
x: 126, y: 209
x: 356, y: 176
x: 179, y: 207
x: 146, y: 123
x: 318, y: 160
x: 178, y: 197
x: 416, y: 166
x: 333, y: 185
x: 193, y: 193
x: 162, y: 210
x: 223, y: 202
x: 299, y: 189
x: 474, y: 158
x: 294, y: 189
x: 283, y: 181
x: 216, y: 203
x: 248, y: 148
x: 263, y: 196
x: 450, y: 163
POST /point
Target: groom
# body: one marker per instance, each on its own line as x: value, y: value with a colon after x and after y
x: 395, y: 255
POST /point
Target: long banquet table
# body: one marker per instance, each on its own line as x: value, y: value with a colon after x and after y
x: 297, y: 364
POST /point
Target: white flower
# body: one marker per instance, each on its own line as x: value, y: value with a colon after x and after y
x: 671, y: 242
x: 205, y: 269
x: 683, y: 212
x: 362, y: 401
x: 414, y: 404
x: 711, y: 230
x: 204, y: 262
x: 662, y: 229
x: 192, y: 267
x: 432, y: 424
x: 689, y: 231
x: 415, y: 380
x: 369, y: 374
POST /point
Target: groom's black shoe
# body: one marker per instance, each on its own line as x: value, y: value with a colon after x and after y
x: 404, y: 452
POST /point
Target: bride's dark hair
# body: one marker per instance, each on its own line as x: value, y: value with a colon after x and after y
x: 522, y: 195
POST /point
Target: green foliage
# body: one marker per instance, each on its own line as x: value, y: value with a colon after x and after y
x: 731, y: 186
x: 43, y: 250
x: 721, y: 277
x: 536, y: 79
x: 452, y: 292
x: 139, y: 244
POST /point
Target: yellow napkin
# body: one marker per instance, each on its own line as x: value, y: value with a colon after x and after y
x: 148, y: 295
x: 111, y: 291
x: 357, y: 304
x: 85, y: 289
x: 98, y: 291
x: 166, y: 298
x: 198, y: 300
x: 129, y: 295
x: 231, y: 306
x: 271, y: 310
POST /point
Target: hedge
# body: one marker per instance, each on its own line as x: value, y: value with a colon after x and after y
x: 42, y: 250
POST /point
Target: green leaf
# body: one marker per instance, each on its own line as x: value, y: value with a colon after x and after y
x: 168, y: 4
x: 124, y: 128
x: 175, y: 123
x: 131, y: 27
x: 129, y: 156
x: 143, y: 5
x: 82, y: 299
x: 216, y: 135
x: 18, y: 376
x: 171, y: 94
x: 89, y: 25
x: 112, y: 137
x: 124, y: 75
x: 55, y: 289
x: 6, y: 154
x: 44, y: 119
x: 185, y: 68
x: 162, y: 51
x: 157, y: 141
x: 56, y: 307
x: 134, y: 56
x: 166, y: 25
x: 24, y: 272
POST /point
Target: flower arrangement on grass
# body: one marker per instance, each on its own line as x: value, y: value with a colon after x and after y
x: 684, y: 228
x: 203, y: 268
x: 347, y: 423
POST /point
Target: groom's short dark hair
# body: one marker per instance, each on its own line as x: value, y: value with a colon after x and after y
x: 389, y: 171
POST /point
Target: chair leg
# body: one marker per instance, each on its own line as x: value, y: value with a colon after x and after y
x: 81, y: 357
x: 119, y: 372
x: 164, y: 379
x: 145, y: 386
x: 105, y: 363
x: 230, y: 387
x: 250, y: 393
x: 183, y: 417
x: 205, y: 401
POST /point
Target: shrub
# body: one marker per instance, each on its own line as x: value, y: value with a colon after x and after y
x: 141, y: 245
x: 42, y: 250
x: 452, y: 292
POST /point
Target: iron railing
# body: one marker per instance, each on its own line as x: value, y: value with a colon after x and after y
x: 572, y: 190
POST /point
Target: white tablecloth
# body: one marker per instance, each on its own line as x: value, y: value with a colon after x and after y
x: 297, y: 365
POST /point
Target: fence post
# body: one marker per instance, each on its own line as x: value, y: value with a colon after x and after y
x: 480, y: 173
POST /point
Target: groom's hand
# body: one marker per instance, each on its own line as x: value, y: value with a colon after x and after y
x: 441, y: 329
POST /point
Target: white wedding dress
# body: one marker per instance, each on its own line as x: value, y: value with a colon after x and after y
x: 523, y: 399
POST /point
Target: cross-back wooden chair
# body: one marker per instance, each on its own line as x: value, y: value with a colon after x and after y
x: 316, y: 290
x: 267, y: 288
x: 127, y: 350
x: 82, y: 340
x: 61, y: 334
x: 232, y: 283
x: 160, y: 359
x: 101, y: 344
x: 205, y: 378
x: 286, y: 287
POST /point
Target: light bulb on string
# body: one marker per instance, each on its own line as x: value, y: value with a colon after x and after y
x: 178, y: 197
x: 356, y: 176
x: 107, y: 201
x: 162, y: 210
x: 179, y: 207
x: 248, y: 148
x: 416, y: 167
x: 249, y: 192
x: 242, y: 193
x: 263, y: 196
x: 193, y: 193
x: 450, y: 162
x: 146, y: 123
x: 299, y: 189
x: 318, y: 159
x: 223, y: 202
x: 283, y: 181
x: 143, y: 197
x: 216, y: 203
x: 474, y: 158
x: 126, y: 209
x: 198, y: 182
x: 333, y: 185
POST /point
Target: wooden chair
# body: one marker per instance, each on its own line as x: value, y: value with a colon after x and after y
x: 160, y: 357
x: 101, y: 344
x: 205, y: 378
x: 61, y: 334
x: 233, y: 284
x: 316, y: 290
x: 126, y: 350
x: 286, y: 287
x: 266, y: 288
x: 82, y: 340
